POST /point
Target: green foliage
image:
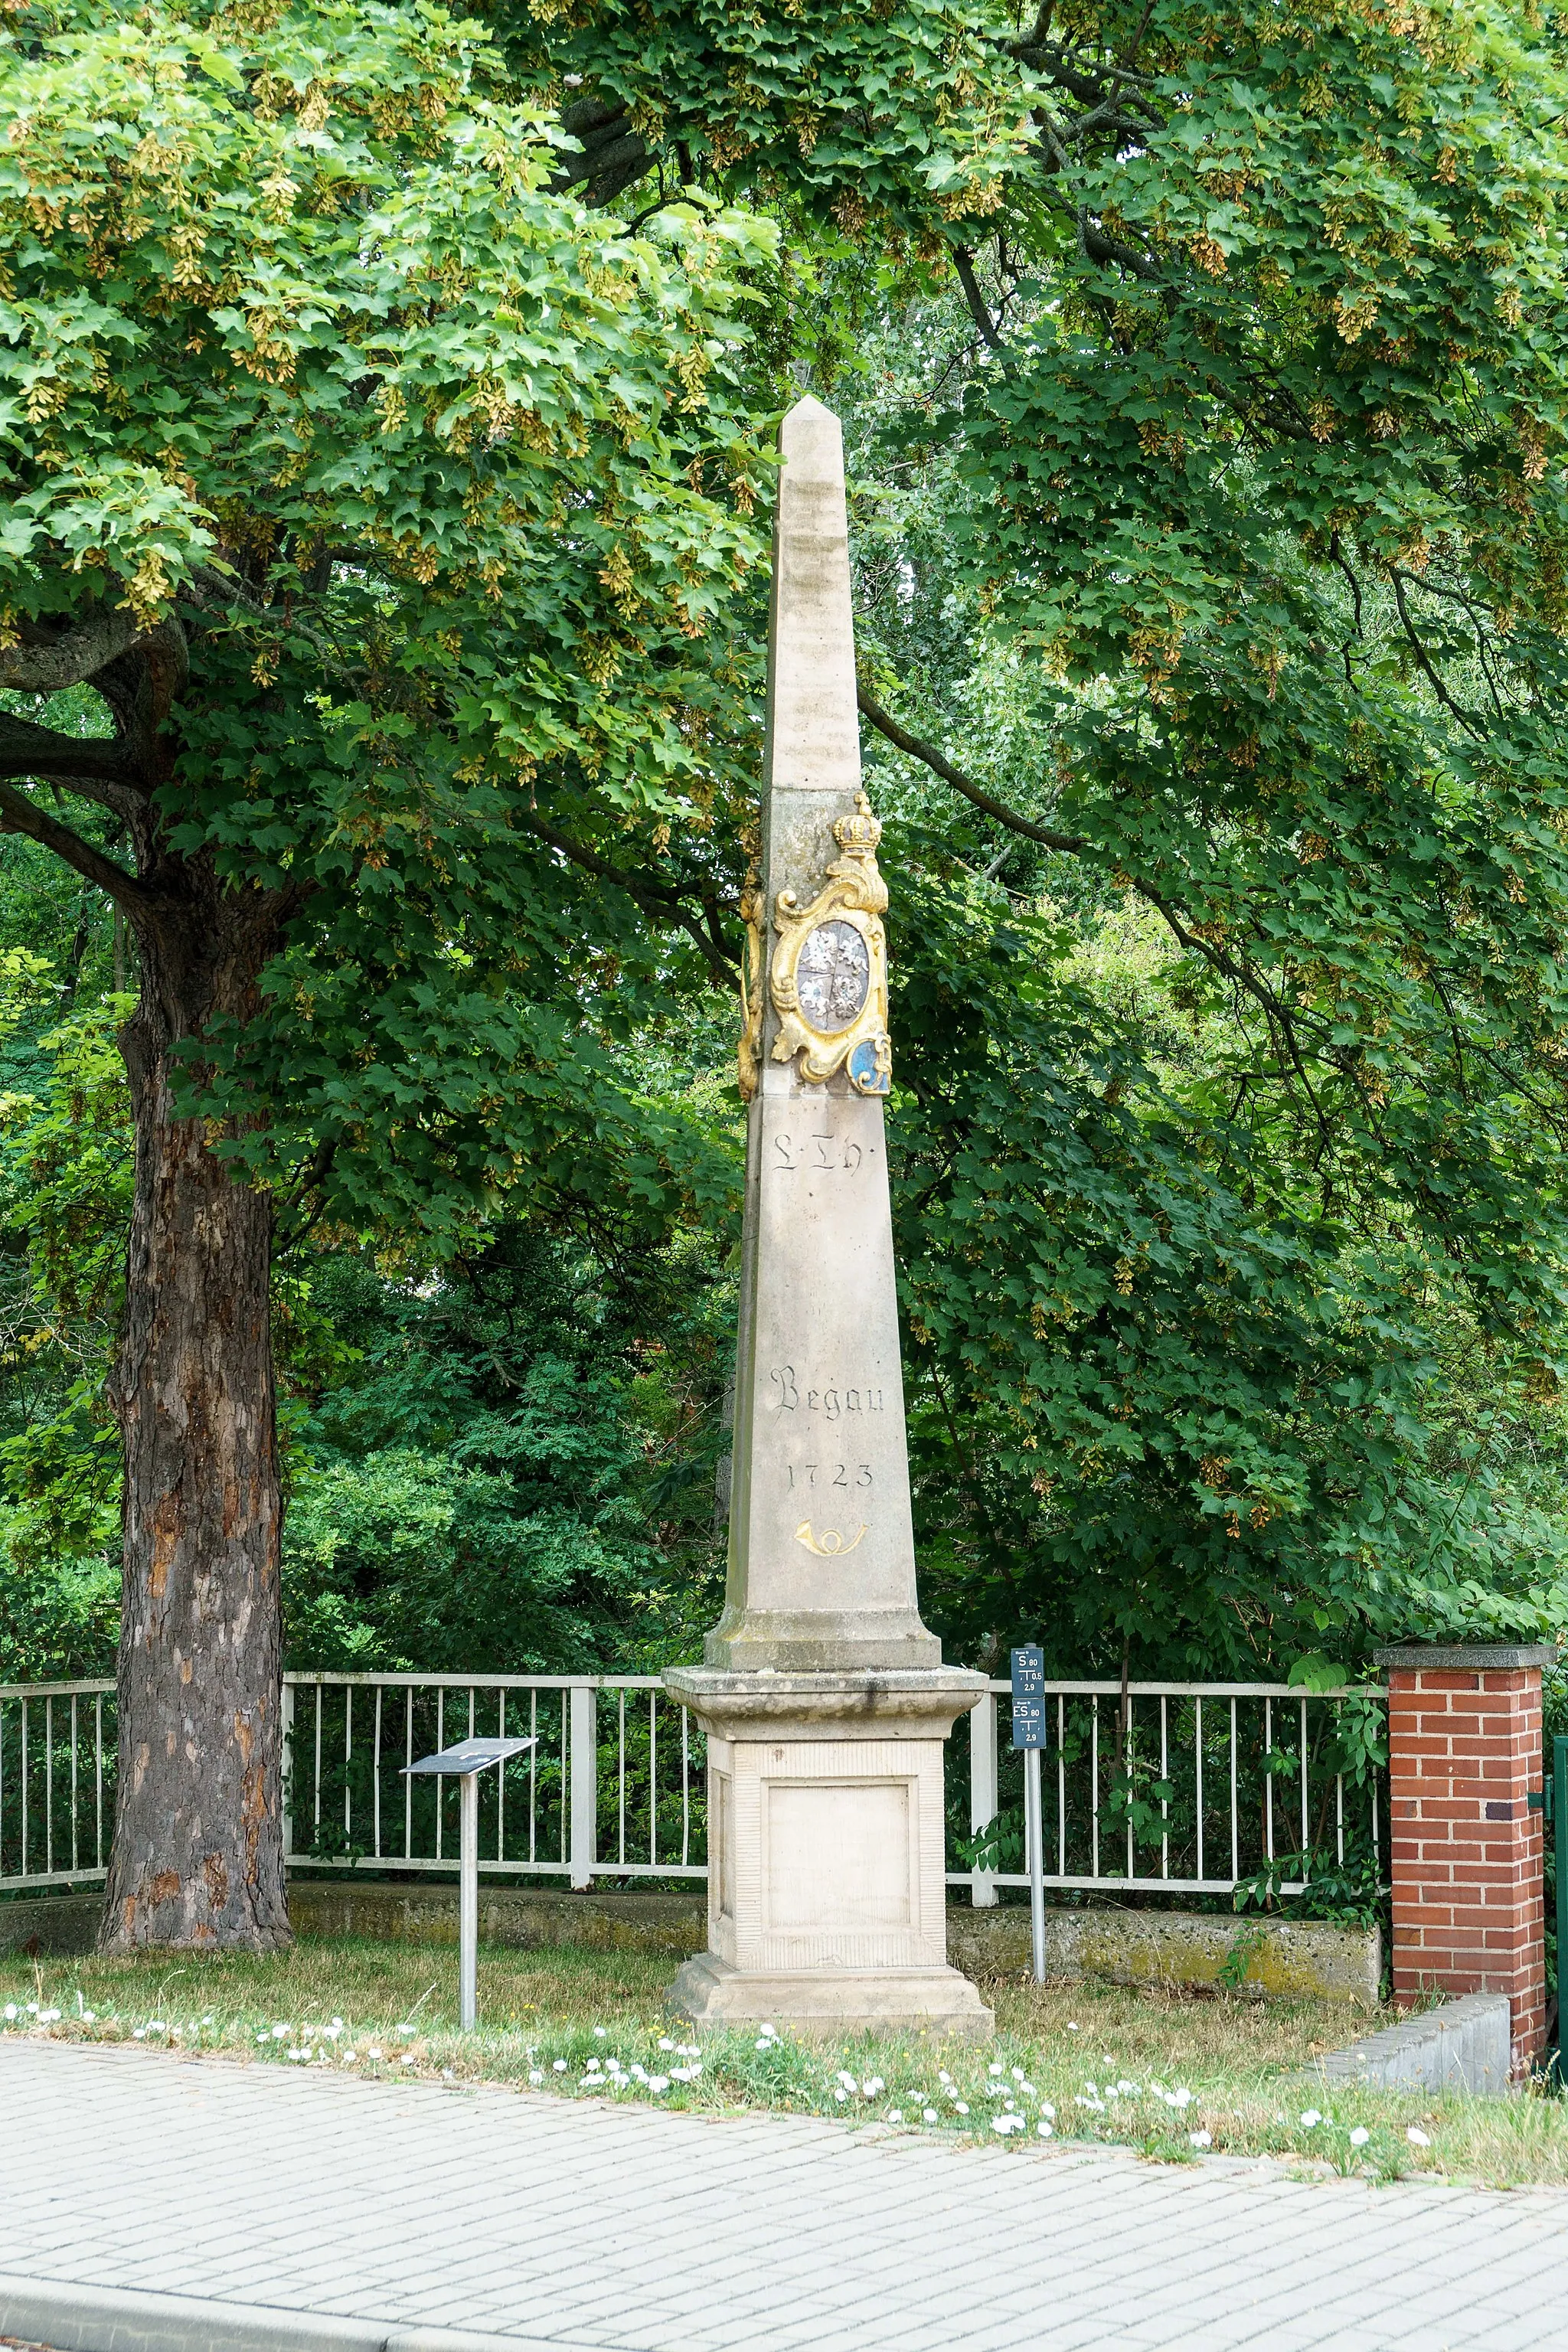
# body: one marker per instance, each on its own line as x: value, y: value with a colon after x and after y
x: 65, y: 1183
x: 506, y: 1470
x: 306, y: 369
x: 1150, y: 1406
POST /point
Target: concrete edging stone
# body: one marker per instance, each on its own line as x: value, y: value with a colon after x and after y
x: 68, y: 2317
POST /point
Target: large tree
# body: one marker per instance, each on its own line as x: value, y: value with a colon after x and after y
x: 359, y: 477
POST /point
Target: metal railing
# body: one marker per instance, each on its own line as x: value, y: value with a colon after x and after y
x: 1191, y: 1790
x: 1196, y: 1787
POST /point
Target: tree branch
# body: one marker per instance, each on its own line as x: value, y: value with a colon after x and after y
x: 929, y: 757
x: 19, y: 815
x: 653, y: 897
x: 92, y: 766
x: 978, y: 308
x: 45, y: 661
x: 1467, y: 718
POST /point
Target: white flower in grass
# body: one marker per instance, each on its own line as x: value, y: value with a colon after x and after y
x: 665, y: 2043
x: 1071, y: 2028
x: 1201, y: 2138
x: 9, y: 2013
x: 1360, y: 2137
x: 409, y: 2058
x: 559, y: 2065
x: 447, y: 2075
x: 1128, y: 2090
x: 927, y: 2114
x: 1044, y: 2129
x: 847, y: 2080
x: 895, y: 2115
x: 872, y: 2085
x: 658, y: 2084
x: 1310, y: 2118
x: 960, y: 2107
x: 47, y: 2016
x: 841, y: 2095
x: 602, y: 2033
x: 90, y: 2017
x: 1417, y: 2137
x: 1028, y: 2088
x: 281, y: 2034
x: 140, y: 2034
x: 373, y: 2054
x: 351, y: 2057
x: 156, y: 2025
x: 1047, y: 2109
x: 994, y: 2070
x: 1183, y: 2098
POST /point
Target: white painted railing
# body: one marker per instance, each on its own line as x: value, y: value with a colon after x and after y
x: 1199, y: 1786
x: 1203, y: 1785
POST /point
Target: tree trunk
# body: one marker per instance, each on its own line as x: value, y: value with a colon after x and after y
x: 198, y: 1851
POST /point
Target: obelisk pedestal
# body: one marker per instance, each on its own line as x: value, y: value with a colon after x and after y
x: 823, y: 1697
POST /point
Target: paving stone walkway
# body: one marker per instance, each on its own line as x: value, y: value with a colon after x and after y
x: 621, y: 2229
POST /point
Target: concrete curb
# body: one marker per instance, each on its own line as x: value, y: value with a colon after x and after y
x: 72, y: 2318
x: 1465, y: 2045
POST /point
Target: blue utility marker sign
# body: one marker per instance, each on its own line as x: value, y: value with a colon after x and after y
x: 1029, y: 1697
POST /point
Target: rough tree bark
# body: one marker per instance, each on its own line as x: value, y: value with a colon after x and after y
x: 198, y: 1853
x: 197, y: 1857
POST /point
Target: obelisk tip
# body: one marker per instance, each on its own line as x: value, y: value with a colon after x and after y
x: 811, y: 442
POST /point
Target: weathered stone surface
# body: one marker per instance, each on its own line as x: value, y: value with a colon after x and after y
x: 51, y: 1923
x: 1305, y: 1959
x: 822, y: 1561
x: 826, y: 1893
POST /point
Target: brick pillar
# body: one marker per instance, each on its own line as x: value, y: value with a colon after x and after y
x: 1464, y: 1755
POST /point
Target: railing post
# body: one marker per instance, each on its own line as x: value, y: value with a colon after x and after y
x: 287, y: 1725
x: 583, y: 1785
x: 983, y: 1795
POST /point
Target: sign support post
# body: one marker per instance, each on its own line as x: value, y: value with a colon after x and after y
x: 1029, y: 1734
x: 464, y: 1764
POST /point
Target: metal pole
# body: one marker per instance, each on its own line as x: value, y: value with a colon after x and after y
x: 1560, y: 1833
x: 1034, y: 1840
x: 468, y: 1896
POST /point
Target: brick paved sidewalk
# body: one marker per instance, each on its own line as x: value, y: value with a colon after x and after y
x: 625, y: 2229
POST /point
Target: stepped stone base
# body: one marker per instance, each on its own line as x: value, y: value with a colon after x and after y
x: 708, y: 1991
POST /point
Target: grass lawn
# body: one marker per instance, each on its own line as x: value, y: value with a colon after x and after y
x: 1168, y: 2076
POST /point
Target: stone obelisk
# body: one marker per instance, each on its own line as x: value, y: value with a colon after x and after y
x: 823, y: 1697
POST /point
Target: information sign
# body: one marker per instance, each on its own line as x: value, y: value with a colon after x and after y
x: 1029, y: 1697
